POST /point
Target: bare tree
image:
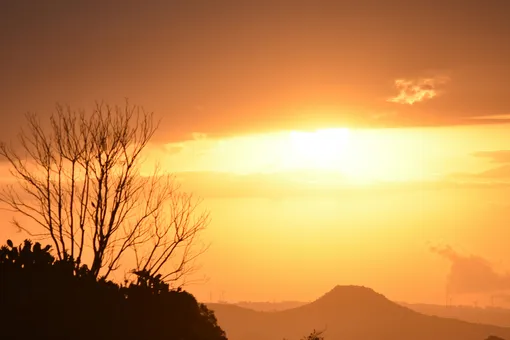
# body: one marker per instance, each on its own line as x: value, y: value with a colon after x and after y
x: 78, y: 180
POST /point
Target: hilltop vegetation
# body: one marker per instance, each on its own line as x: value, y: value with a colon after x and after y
x: 46, y: 298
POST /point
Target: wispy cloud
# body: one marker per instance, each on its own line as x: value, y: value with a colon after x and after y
x: 417, y: 90
x: 501, y: 172
x: 471, y: 274
x: 498, y: 156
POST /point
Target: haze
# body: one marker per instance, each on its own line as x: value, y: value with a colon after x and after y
x: 340, y: 142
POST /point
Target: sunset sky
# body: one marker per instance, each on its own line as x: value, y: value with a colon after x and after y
x: 334, y: 142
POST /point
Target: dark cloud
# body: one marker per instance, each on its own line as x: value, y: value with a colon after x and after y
x: 470, y: 274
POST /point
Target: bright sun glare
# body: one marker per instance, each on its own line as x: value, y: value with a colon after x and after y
x: 359, y: 156
x: 320, y: 149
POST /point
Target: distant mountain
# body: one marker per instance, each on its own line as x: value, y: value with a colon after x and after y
x: 487, y: 315
x: 348, y: 313
x: 484, y: 315
x: 270, y: 306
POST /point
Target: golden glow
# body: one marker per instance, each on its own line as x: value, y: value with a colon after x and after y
x: 321, y: 149
x: 353, y: 155
x: 284, y: 192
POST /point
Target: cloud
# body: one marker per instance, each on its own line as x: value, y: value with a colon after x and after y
x: 499, y: 156
x: 415, y: 91
x: 230, y: 87
x: 493, y: 118
x: 501, y: 172
x: 471, y: 274
x: 497, y: 174
x: 324, y: 184
x: 288, y: 184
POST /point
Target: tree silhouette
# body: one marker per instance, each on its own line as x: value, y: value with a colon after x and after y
x: 43, y: 297
x: 79, y: 184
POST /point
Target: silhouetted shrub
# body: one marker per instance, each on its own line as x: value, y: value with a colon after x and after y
x: 315, y: 335
x: 41, y: 297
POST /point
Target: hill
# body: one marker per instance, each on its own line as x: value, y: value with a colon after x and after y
x: 485, y: 315
x: 488, y: 315
x: 348, y: 313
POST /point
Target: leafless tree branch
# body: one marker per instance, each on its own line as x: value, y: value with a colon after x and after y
x: 79, y: 183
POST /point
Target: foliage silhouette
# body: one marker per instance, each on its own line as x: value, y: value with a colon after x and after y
x: 315, y: 335
x: 41, y: 297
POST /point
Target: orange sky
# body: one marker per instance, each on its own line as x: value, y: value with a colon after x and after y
x: 333, y: 142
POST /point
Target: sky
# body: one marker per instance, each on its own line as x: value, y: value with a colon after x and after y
x: 334, y: 142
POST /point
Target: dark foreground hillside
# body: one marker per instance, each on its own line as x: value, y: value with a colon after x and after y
x: 349, y: 313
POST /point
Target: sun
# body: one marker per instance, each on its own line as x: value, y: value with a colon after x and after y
x: 324, y: 149
x: 328, y: 155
